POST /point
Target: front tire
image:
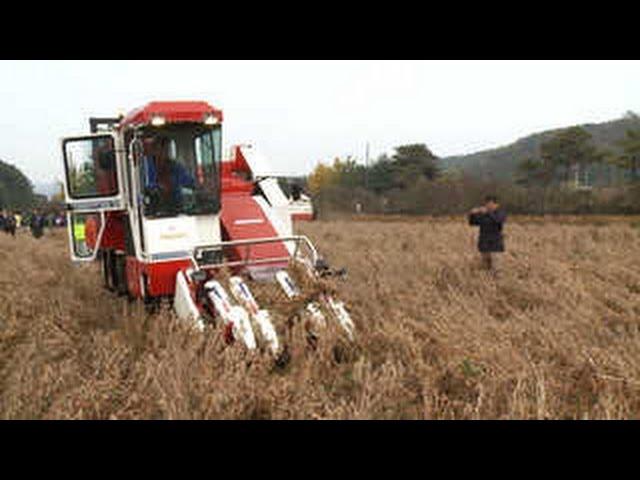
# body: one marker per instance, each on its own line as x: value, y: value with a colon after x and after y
x: 106, y: 257
x: 119, y: 273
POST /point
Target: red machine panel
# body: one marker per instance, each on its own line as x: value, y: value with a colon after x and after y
x: 232, y: 181
x: 243, y: 219
x: 113, y: 236
x: 302, y: 217
x: 172, y: 112
x: 160, y: 276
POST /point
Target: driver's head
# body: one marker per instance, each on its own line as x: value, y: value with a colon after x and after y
x: 148, y: 146
x: 162, y: 148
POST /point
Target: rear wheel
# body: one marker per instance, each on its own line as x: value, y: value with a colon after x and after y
x: 107, y: 268
x: 151, y: 304
x: 129, y: 252
x: 114, y: 271
x: 119, y: 273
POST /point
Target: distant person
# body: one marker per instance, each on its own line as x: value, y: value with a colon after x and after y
x: 296, y: 192
x: 37, y: 225
x: 10, y: 224
x: 490, y: 218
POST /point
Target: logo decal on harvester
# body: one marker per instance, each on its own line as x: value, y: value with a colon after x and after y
x: 173, y: 235
x: 248, y: 221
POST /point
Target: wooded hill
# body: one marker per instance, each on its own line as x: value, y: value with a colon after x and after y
x: 502, y: 163
x: 549, y: 172
x: 16, y: 190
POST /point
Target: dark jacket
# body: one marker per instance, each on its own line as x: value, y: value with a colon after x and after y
x: 490, y: 238
x: 37, y: 225
x: 10, y: 222
x: 38, y: 221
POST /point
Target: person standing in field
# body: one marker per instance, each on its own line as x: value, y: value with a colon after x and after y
x: 37, y: 224
x: 490, y: 218
x: 10, y: 224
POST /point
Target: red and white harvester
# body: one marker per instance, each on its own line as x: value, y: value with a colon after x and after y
x: 150, y: 197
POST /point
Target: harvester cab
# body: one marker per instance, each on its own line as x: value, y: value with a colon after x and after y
x: 150, y: 196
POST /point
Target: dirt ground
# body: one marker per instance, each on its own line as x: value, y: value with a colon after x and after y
x: 557, y: 335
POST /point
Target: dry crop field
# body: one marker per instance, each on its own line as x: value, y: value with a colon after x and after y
x: 556, y: 336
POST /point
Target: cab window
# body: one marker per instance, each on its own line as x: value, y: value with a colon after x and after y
x: 90, y: 165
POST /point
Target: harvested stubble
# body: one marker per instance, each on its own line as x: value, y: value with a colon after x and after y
x: 556, y: 336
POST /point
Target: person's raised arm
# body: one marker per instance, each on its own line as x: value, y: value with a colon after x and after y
x: 475, y: 215
x: 497, y: 216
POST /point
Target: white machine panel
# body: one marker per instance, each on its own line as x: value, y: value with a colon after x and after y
x: 176, y: 236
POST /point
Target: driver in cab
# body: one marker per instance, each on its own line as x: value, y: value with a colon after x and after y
x: 165, y: 175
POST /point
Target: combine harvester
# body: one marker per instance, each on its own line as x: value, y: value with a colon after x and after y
x: 150, y: 197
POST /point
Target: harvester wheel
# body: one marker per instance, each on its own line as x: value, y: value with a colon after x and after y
x: 107, y: 269
x: 119, y: 273
x: 151, y: 304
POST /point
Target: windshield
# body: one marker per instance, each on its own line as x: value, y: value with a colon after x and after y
x: 179, y: 170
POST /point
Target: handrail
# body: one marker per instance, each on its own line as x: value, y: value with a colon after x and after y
x: 298, y: 239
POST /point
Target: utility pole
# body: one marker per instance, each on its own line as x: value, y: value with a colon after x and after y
x: 366, y: 168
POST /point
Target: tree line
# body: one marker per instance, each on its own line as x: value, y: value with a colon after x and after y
x: 16, y: 190
x: 413, y: 180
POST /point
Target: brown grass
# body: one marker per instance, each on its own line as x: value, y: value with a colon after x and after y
x: 556, y: 336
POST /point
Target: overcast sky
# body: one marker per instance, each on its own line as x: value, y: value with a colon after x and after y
x: 301, y: 112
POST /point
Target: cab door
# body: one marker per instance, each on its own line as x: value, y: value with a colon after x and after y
x: 93, y: 188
